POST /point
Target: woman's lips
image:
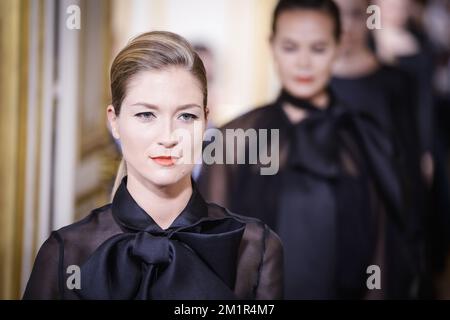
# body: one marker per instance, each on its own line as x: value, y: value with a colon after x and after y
x: 164, y: 161
x: 304, y: 79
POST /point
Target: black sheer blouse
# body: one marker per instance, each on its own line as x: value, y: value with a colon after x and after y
x: 336, y: 202
x: 207, y: 253
x: 387, y: 95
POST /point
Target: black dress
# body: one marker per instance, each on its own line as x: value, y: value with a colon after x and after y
x: 419, y: 67
x: 387, y: 95
x: 336, y: 202
x: 207, y: 253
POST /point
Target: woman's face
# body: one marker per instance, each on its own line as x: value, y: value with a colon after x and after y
x: 353, y: 17
x: 394, y: 13
x: 304, y: 49
x: 160, y: 126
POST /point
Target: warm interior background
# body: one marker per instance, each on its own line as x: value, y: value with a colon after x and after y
x: 57, y: 158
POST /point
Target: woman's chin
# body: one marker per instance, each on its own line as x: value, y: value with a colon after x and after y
x: 302, y: 93
x: 167, y: 178
x: 306, y: 92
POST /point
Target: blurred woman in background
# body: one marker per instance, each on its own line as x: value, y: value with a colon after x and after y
x: 403, y: 42
x: 362, y: 82
x: 400, y: 42
x: 337, y: 196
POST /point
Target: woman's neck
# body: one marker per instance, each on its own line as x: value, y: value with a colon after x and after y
x: 355, y: 62
x: 394, y: 42
x: 163, y: 204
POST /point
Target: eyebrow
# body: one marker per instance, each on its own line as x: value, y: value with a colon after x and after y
x: 296, y: 42
x: 152, y: 106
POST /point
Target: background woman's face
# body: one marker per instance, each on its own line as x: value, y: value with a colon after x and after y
x: 304, y: 49
x: 353, y: 17
x: 394, y: 13
x: 156, y: 125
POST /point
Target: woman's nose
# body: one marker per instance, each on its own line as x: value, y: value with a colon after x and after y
x: 304, y: 60
x: 168, y: 143
x: 167, y: 138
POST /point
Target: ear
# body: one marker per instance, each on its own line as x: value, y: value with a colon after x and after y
x: 336, y: 51
x: 206, y: 113
x: 272, y: 39
x: 113, y: 121
x: 272, y: 44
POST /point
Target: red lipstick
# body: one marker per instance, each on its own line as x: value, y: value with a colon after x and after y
x: 164, y: 161
x: 304, y: 79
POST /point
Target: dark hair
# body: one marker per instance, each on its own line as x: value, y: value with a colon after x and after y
x: 326, y: 6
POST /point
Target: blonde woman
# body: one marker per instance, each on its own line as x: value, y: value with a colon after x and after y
x: 159, y: 239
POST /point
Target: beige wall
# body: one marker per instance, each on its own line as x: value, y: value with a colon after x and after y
x: 52, y: 124
x: 237, y: 32
x: 13, y: 30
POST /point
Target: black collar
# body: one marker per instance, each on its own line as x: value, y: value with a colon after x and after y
x: 286, y: 97
x: 132, y: 218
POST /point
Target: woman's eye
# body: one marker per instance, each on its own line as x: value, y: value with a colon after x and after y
x: 145, y: 115
x: 357, y: 14
x: 319, y: 49
x: 289, y: 48
x: 188, y: 117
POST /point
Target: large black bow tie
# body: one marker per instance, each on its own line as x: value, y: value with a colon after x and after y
x: 196, y: 258
x: 315, y: 145
x: 194, y: 262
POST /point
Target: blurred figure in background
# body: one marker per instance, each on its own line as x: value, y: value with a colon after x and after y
x: 336, y: 201
x: 409, y: 40
x: 384, y: 92
x: 400, y: 42
x: 364, y: 83
x: 436, y: 24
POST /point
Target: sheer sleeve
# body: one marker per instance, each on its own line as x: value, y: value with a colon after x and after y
x: 270, y: 285
x: 217, y: 181
x: 214, y: 182
x: 44, y: 279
